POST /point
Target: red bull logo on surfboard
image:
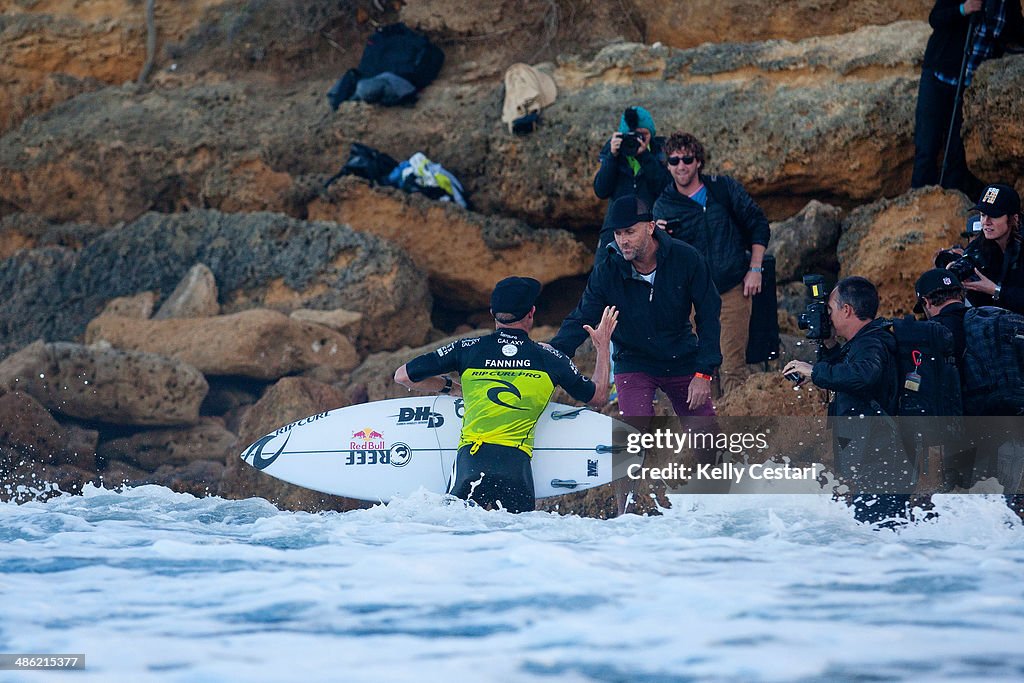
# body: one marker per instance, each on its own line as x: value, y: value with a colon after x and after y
x: 367, y: 439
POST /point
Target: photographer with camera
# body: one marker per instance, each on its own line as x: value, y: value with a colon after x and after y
x: 861, y: 376
x: 716, y: 216
x: 991, y: 268
x: 632, y: 163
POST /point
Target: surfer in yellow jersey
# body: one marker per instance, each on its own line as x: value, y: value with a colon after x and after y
x: 506, y: 380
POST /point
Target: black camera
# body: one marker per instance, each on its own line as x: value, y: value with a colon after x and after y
x: 631, y: 143
x: 961, y: 265
x: 815, y: 318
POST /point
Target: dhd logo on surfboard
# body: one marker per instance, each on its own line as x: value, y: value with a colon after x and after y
x: 420, y: 415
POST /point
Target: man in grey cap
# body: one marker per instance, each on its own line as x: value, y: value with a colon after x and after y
x: 506, y: 380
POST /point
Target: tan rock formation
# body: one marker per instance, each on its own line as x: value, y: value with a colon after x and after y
x: 339, y: 320
x: 463, y: 253
x: 119, y: 387
x: 258, y: 343
x: 892, y: 241
x: 138, y: 306
x: 56, y: 49
x: 194, y: 297
x: 823, y: 117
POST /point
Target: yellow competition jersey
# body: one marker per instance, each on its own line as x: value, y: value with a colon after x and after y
x: 507, y: 380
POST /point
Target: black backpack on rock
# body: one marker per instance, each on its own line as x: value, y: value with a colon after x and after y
x: 366, y: 162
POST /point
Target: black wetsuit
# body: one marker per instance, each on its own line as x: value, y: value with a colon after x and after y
x: 507, y: 380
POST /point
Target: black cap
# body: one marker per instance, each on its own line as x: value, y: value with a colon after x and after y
x: 627, y: 211
x: 997, y: 201
x: 933, y: 280
x: 515, y: 296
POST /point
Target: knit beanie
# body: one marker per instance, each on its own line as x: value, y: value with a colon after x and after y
x: 636, y: 117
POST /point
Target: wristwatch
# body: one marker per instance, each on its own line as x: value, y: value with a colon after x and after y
x: 756, y: 269
x: 447, y: 386
x: 995, y: 294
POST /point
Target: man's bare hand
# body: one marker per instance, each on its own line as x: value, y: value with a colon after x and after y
x: 698, y: 393
x: 751, y: 284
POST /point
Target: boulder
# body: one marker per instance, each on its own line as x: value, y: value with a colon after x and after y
x: 194, y: 297
x: 138, y: 306
x: 155, y: 448
x: 259, y: 343
x: 806, y: 243
x: 290, y: 399
x: 118, y: 387
x: 463, y: 253
x: 28, y: 429
x: 198, y: 478
x: 117, y: 473
x: 892, y: 241
x: 339, y: 320
x: 993, y: 128
x: 258, y: 260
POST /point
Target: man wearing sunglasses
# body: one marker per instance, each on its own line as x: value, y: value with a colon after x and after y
x: 716, y: 216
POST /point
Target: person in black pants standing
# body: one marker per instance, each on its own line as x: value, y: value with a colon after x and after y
x: 951, y: 21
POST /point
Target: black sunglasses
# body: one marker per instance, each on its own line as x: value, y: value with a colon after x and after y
x: 673, y: 161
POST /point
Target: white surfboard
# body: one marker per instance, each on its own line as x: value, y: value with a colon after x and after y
x: 376, y: 451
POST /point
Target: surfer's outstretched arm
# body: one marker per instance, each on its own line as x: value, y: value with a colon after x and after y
x: 601, y: 337
x: 434, y: 384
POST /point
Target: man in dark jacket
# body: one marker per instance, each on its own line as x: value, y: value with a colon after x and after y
x: 634, y: 168
x: 863, y: 380
x: 716, y: 216
x: 951, y: 20
x: 654, y: 281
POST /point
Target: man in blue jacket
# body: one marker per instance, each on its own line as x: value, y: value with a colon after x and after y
x: 716, y: 216
x: 654, y: 281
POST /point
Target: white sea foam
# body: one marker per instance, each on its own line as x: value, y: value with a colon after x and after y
x: 154, y: 585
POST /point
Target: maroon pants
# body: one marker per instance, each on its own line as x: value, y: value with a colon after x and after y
x: 636, y: 394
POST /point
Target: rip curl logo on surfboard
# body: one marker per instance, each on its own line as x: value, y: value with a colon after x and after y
x: 256, y: 451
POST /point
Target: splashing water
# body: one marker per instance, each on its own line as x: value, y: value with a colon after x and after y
x: 155, y: 585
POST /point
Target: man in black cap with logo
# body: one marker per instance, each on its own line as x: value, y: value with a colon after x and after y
x: 940, y: 296
x: 506, y: 380
x: 654, y: 281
